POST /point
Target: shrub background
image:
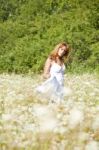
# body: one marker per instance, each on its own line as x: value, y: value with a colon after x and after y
x: 29, y: 30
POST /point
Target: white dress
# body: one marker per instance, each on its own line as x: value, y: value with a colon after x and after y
x: 53, y: 87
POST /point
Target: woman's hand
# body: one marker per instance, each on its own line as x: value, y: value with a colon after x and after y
x: 46, y: 76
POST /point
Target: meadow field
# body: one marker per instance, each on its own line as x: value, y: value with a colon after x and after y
x: 29, y: 122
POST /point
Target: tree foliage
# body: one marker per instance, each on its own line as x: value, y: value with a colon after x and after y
x: 29, y: 30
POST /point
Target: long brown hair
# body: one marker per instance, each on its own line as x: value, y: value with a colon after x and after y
x: 54, y: 54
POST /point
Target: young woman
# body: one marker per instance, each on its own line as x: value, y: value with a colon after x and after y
x: 53, y: 86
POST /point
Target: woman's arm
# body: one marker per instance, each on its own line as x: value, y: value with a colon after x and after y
x: 46, y: 73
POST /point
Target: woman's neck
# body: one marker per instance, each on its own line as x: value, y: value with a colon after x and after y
x: 59, y: 60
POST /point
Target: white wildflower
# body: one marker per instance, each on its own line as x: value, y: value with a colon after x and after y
x: 95, y: 124
x: 92, y: 145
x: 67, y: 91
x: 77, y: 148
x: 47, y: 124
x: 46, y: 117
x: 40, y: 110
x: 83, y: 136
x: 76, y: 116
x: 97, y: 108
x: 7, y: 117
x: 62, y: 130
x: 29, y: 127
x: 20, y: 97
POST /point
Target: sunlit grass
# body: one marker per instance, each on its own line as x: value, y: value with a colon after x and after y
x: 30, y: 122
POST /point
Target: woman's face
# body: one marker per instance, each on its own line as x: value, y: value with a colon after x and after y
x: 62, y: 51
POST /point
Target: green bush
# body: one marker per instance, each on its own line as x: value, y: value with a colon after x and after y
x: 29, y: 30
